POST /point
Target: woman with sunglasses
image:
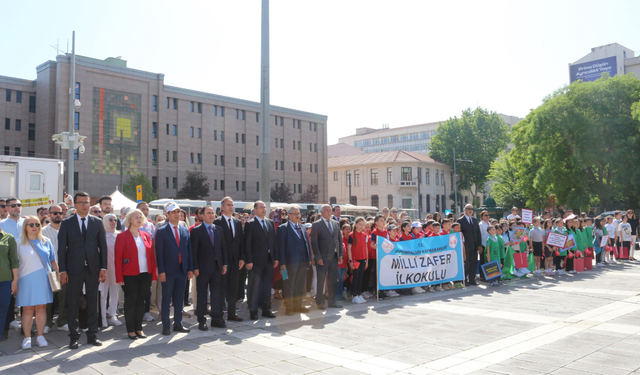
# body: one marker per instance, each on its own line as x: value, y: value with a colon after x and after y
x: 36, y: 258
x: 8, y: 275
x: 110, y: 288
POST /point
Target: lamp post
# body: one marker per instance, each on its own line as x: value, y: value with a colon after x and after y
x: 455, y: 176
x: 349, y: 184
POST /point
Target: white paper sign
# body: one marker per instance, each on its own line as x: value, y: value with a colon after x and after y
x: 556, y: 239
x: 527, y: 216
x: 605, y: 240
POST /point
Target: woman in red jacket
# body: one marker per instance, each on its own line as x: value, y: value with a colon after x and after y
x: 135, y: 265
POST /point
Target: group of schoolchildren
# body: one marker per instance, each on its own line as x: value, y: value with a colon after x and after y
x: 519, y: 248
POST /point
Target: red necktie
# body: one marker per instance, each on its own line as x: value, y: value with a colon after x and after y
x: 175, y: 229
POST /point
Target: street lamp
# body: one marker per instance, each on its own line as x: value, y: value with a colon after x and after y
x: 455, y: 176
x: 349, y: 182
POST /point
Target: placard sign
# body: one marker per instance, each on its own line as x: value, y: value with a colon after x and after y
x: 605, y: 240
x: 491, y: 270
x: 527, y: 216
x: 519, y: 233
x: 556, y: 239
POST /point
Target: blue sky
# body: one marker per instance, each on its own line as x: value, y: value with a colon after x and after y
x: 362, y: 63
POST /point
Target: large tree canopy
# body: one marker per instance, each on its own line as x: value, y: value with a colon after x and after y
x: 479, y: 136
x: 195, y: 186
x: 581, y: 145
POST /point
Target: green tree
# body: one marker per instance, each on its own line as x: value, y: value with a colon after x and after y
x: 282, y: 193
x: 581, y: 145
x: 479, y: 135
x: 195, y: 186
x: 129, y: 188
x: 505, y: 189
x: 310, y: 195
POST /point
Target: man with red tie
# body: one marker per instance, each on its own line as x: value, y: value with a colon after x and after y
x: 175, y: 267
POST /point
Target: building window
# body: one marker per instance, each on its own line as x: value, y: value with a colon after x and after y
x: 18, y: 96
x: 32, y: 132
x: 237, y: 118
x: 175, y: 103
x: 276, y: 118
x: 167, y: 183
x: 281, y: 143
x: 76, y: 154
x: 222, y: 160
x: 175, y: 130
x: 315, y: 126
x: 294, y: 145
x: 154, y: 156
x: 17, y: 151
x: 237, y: 138
x: 243, y: 113
x: 257, y: 117
x: 154, y: 130
x: 405, y: 173
x: 437, y: 180
x: 348, y: 179
x: 167, y: 129
x: 257, y: 163
x: 257, y: 140
x: 215, y: 159
x: 404, y: 137
x: 199, y: 107
x: 78, y: 90
x: 389, y: 176
x: 168, y: 106
x: 215, y: 110
x: 8, y: 95
x: 7, y: 150
x: 276, y: 142
x: 389, y: 201
x: 192, y: 132
x: 315, y: 147
x: 222, y: 115
x: 76, y: 181
x: 244, y: 162
x: 295, y: 187
x: 244, y: 184
x: 154, y: 183
x: 199, y: 132
x: 222, y: 135
x: 237, y: 162
x: 193, y: 107
x: 7, y: 124
x: 442, y: 178
x: 310, y: 147
x: 155, y: 103
x: 428, y: 202
x: 18, y: 125
x: 426, y: 178
x: 221, y: 184
x: 294, y: 166
x: 299, y: 167
x: 299, y: 124
x: 242, y: 138
x: 356, y: 176
x: 32, y: 104
x: 167, y: 155
x: 282, y: 165
x: 375, y: 201
x: 215, y: 135
x: 299, y: 188
x: 374, y: 176
x: 310, y: 168
x: 76, y: 121
x: 175, y: 156
x: 335, y: 176
x: 237, y: 185
x: 437, y: 203
x: 192, y: 158
x: 175, y: 182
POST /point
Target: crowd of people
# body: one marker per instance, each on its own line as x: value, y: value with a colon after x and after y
x: 147, y: 264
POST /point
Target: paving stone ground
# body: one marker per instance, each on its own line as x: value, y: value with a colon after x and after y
x: 587, y: 323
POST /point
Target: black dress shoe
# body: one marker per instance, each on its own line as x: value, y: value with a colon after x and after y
x: 134, y: 337
x: 203, y: 326
x: 5, y: 335
x: 335, y: 305
x: 289, y: 312
x: 253, y: 315
x: 473, y: 283
x: 234, y: 318
x: 94, y: 341
x: 218, y: 323
x: 166, y: 331
x: 321, y: 307
x: 73, y: 344
x: 180, y: 328
x: 303, y: 310
x: 141, y: 335
x: 268, y: 314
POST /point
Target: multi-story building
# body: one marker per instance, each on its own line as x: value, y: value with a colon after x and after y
x: 162, y: 131
x: 402, y: 179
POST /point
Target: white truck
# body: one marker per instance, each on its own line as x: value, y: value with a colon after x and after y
x: 36, y: 182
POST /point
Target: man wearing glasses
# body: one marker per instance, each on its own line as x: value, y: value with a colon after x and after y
x: 3, y: 209
x: 470, y: 230
x: 95, y: 211
x: 13, y: 223
x: 51, y: 232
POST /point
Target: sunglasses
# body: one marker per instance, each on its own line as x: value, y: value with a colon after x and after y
x: 3, y: 206
x: 96, y: 212
x: 394, y: 212
x: 55, y: 213
x: 15, y: 204
x: 37, y: 225
x: 112, y: 220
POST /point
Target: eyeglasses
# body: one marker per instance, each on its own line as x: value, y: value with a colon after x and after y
x: 13, y: 205
x: 96, y: 211
x: 113, y: 220
x: 3, y: 205
x: 385, y: 210
x: 81, y: 203
x: 47, y: 222
x: 471, y: 208
x: 394, y: 212
x: 37, y: 225
x: 55, y: 213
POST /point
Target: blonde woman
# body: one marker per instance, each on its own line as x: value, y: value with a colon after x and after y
x: 33, y: 283
x: 110, y: 288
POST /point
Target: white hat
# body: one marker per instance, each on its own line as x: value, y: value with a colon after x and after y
x: 172, y: 207
x: 416, y: 224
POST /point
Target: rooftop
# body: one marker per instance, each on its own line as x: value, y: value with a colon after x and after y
x: 379, y: 158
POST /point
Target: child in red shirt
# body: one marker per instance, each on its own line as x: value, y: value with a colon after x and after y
x: 392, y: 233
x: 357, y: 259
x: 405, y: 232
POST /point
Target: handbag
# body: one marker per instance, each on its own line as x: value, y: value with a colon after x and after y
x: 54, y: 281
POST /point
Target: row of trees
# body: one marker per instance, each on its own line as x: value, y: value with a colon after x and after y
x: 197, y: 187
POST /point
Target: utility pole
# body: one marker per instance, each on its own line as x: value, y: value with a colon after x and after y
x: 349, y: 181
x: 121, y: 159
x: 265, y: 146
x: 72, y: 91
x: 455, y: 183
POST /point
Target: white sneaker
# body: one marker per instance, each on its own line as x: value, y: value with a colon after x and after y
x: 431, y: 289
x: 46, y: 329
x: 439, y: 289
x: 392, y: 293
x: 146, y: 317
x: 561, y: 272
x: 41, y: 341
x: 15, y: 325
x: 600, y: 264
x: 64, y: 328
x: 573, y: 271
x: 417, y: 290
x: 114, y: 322
x: 355, y: 299
x: 361, y: 299
x: 26, y: 343
x: 367, y: 295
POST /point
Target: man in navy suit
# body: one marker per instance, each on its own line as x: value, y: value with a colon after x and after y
x: 262, y: 257
x: 175, y: 266
x: 210, y: 263
x: 295, y: 256
x: 472, y: 242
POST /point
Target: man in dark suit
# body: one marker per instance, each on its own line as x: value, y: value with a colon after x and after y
x: 82, y: 258
x: 261, y: 252
x: 295, y: 256
x: 232, y: 230
x: 209, y: 263
x: 470, y: 229
x: 326, y: 243
x: 175, y: 266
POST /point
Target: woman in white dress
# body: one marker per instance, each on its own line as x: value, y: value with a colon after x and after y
x: 110, y: 288
x: 34, y: 291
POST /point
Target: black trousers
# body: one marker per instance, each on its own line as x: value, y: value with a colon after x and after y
x: 11, y: 313
x: 74, y: 292
x: 329, y: 268
x: 230, y: 282
x: 471, y: 264
x: 205, y: 283
x: 259, y: 293
x: 136, y: 289
x: 294, y: 286
x: 358, y: 276
x: 483, y: 260
x: 557, y: 260
x: 568, y: 264
x: 242, y: 283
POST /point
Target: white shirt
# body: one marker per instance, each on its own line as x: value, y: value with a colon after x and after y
x: 468, y: 219
x: 611, y: 230
x: 52, y: 234
x: 232, y: 227
x: 149, y: 228
x: 511, y: 216
x: 483, y: 232
x: 176, y: 231
x: 142, y: 254
x: 624, y: 230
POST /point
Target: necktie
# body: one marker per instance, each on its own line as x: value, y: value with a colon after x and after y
x: 211, y: 234
x: 264, y: 226
x: 231, y: 228
x: 84, y: 228
x: 175, y: 230
x: 330, y: 226
x: 298, y: 231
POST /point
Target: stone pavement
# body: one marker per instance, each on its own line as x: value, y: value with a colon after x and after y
x: 587, y: 323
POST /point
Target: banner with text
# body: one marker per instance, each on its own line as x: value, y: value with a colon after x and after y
x: 420, y: 262
x: 592, y: 70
